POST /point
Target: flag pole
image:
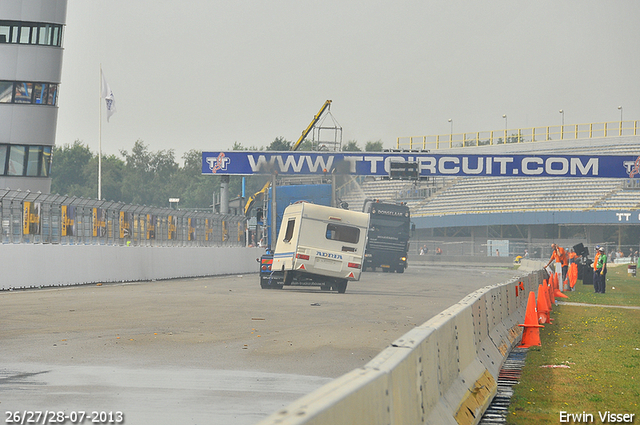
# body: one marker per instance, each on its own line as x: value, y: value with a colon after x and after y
x: 100, y: 141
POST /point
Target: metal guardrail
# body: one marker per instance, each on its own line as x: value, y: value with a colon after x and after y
x: 520, y: 135
x: 36, y: 218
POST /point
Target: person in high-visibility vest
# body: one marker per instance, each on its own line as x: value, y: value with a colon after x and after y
x: 560, y: 255
x: 601, y: 270
x: 596, y: 276
x: 573, y: 269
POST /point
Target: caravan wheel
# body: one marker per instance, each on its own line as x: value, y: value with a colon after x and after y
x: 341, y: 286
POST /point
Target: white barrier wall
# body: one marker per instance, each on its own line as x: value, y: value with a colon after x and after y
x: 27, y: 265
x: 442, y: 372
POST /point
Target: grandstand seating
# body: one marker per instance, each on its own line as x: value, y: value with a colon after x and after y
x: 464, y: 195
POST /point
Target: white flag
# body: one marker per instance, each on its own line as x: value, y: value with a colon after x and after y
x: 107, y: 95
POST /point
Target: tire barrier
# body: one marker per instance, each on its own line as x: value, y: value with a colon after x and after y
x: 444, y: 371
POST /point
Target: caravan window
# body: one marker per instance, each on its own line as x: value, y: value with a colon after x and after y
x: 342, y: 233
x: 289, y: 233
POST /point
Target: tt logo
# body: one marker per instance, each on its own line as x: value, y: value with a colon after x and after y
x: 633, y: 167
x: 218, y: 163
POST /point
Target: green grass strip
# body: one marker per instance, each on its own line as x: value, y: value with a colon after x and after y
x: 589, y: 361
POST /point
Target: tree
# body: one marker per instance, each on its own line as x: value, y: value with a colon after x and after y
x: 70, y: 171
x: 279, y: 144
x: 351, y: 146
x: 187, y: 183
x: 306, y: 146
x: 373, y: 146
x: 148, y: 175
x: 112, y: 175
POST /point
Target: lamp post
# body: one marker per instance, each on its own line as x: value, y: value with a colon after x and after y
x: 505, y: 127
x: 451, y: 130
x: 562, y: 126
x: 620, y: 108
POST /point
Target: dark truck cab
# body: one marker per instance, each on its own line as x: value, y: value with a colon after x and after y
x: 389, y: 232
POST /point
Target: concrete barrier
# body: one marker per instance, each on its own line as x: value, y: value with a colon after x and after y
x: 444, y: 371
x: 27, y: 265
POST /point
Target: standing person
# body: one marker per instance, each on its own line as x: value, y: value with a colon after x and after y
x: 601, y: 269
x: 573, y: 269
x: 596, y: 276
x: 560, y: 255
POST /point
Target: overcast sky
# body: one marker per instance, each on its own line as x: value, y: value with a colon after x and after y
x: 203, y: 74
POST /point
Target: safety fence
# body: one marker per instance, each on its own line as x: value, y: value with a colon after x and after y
x: 36, y: 218
x: 520, y: 135
x: 444, y: 371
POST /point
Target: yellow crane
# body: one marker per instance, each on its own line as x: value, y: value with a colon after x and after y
x: 312, y: 124
x: 251, y: 200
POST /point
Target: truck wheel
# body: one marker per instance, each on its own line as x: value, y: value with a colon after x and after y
x: 288, y: 277
x: 400, y: 270
x: 264, y: 284
x: 341, y: 286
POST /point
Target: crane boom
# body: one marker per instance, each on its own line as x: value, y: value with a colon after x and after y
x: 312, y: 124
x: 305, y: 133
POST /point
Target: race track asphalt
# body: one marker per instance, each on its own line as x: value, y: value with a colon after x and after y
x: 215, y: 350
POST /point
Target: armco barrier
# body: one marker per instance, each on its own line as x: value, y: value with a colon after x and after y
x: 28, y: 265
x: 442, y: 372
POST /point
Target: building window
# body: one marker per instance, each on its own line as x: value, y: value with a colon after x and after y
x: 53, y: 95
x: 3, y: 159
x: 5, y: 32
x: 22, y: 92
x: 43, y: 34
x: 25, y: 160
x: 25, y: 35
x: 16, y: 160
x: 28, y: 92
x: 45, y: 167
x: 33, y: 160
x: 40, y: 94
x: 6, y: 91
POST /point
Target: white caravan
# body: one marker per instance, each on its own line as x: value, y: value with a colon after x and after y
x: 320, y: 245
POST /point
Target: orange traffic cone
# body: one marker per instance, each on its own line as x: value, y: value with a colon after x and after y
x: 531, y: 332
x: 542, y: 305
x: 556, y: 293
x: 550, y: 288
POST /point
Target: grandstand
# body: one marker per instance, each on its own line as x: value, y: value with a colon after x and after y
x: 443, y: 202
